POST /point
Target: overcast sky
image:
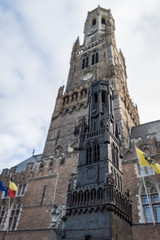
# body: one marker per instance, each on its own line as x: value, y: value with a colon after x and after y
x: 36, y: 39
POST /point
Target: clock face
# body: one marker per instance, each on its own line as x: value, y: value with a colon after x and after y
x: 87, y: 76
x: 91, y: 31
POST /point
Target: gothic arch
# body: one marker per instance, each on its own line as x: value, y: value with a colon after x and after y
x: 31, y: 175
x: 146, y: 150
x: 96, y: 151
x: 89, y: 151
x: 58, y: 151
x: 74, y: 109
x: 81, y: 106
x: 128, y: 155
x: 148, y: 212
x: 74, y: 96
x: 66, y: 111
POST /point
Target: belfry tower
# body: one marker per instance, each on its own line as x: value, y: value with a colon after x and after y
x: 98, y: 208
x: 97, y: 58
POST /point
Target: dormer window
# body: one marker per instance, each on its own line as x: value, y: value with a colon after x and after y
x: 94, y: 22
x: 103, y: 21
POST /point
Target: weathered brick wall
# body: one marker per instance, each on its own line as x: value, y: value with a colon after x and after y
x: 29, y: 235
x: 146, y: 232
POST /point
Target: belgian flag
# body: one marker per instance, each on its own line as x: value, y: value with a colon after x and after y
x: 12, y: 189
x: 147, y: 161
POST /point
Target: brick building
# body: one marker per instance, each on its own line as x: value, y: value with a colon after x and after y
x: 38, y: 211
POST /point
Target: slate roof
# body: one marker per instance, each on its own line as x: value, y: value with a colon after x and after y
x: 146, y: 129
x: 23, y: 165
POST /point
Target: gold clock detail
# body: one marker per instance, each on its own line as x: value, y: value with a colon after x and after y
x: 87, y: 76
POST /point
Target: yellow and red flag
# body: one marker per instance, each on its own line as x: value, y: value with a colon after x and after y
x: 147, y: 161
x: 12, y: 189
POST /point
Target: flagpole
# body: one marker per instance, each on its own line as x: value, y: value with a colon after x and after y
x: 9, y: 214
x: 149, y: 202
x: 9, y: 205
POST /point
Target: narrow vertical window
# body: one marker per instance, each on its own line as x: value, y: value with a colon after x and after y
x: 94, y: 22
x: 92, y: 59
x: 110, y: 104
x: 20, y: 189
x: 113, y: 154
x: 96, y: 152
x: 86, y: 61
x: 103, y: 21
x: 23, y: 189
x: 83, y: 63
x: 89, y: 154
x: 96, y: 57
x: 2, y: 214
x: 116, y: 158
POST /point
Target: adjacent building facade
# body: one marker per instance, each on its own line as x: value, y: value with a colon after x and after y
x: 38, y: 211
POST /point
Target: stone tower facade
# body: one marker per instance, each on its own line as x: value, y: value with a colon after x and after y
x: 98, y: 57
x: 97, y: 207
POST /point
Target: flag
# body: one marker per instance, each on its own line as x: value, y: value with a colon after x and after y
x: 147, y: 161
x: 3, y: 188
x: 12, y: 189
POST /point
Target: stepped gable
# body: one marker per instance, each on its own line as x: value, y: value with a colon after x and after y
x: 21, y: 167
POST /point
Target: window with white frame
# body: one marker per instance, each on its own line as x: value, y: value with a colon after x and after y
x: 21, y: 189
x: 146, y: 171
x: 151, y: 207
x: 3, y: 210
x: 14, y: 215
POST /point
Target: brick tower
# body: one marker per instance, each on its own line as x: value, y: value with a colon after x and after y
x: 97, y: 207
x: 96, y: 58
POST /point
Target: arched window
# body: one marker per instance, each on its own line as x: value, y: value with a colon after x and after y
x: 150, y: 204
x: 67, y: 99
x: 94, y: 22
x: 74, y: 96
x: 89, y: 154
x: 103, y: 21
x: 95, y: 58
x: 96, y: 152
x: 86, y: 62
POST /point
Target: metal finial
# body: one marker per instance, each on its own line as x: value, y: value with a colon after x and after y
x: 33, y: 152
